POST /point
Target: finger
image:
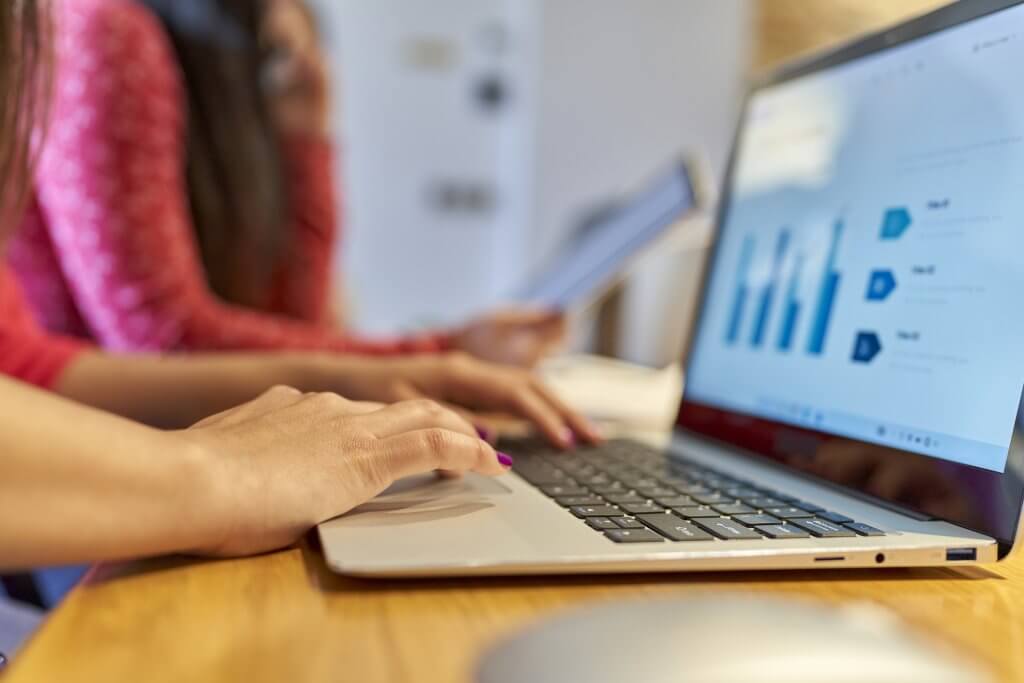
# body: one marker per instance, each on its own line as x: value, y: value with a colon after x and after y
x: 272, y: 399
x: 478, y: 384
x: 407, y: 392
x: 428, y: 450
x: 527, y: 403
x: 409, y: 416
x: 580, y: 425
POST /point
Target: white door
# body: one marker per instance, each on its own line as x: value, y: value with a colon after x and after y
x: 433, y: 127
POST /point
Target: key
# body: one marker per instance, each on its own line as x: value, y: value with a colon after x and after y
x: 822, y: 528
x: 674, y: 528
x: 572, y: 501
x: 831, y: 516
x: 810, y: 507
x: 788, y: 512
x: 539, y: 473
x: 756, y: 520
x: 622, y: 498
x: 864, y: 529
x: 676, y: 479
x: 609, y: 488
x: 641, y: 508
x: 713, y: 498
x: 639, y: 482
x: 675, y: 501
x: 786, y: 500
x: 628, y: 523
x: 655, y: 491
x: 695, y: 512
x: 602, y: 523
x: 782, y: 531
x: 763, y: 502
x: 693, y: 489
x: 599, y: 479
x: 727, y: 529
x: 734, y: 509
x: 568, y: 489
x: 633, y: 536
x: 741, y: 492
x: 584, y: 511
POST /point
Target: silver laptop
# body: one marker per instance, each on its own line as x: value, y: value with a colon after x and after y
x: 854, y: 378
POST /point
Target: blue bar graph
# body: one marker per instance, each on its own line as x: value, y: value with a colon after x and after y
x: 764, y: 308
x: 791, y: 310
x: 740, y: 298
x: 826, y: 296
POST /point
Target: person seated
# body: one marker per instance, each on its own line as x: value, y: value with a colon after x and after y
x: 184, y: 195
x: 81, y: 483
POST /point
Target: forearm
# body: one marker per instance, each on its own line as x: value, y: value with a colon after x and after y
x: 79, y: 485
x: 177, y: 390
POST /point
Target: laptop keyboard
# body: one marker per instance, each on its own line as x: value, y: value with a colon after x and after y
x: 632, y: 493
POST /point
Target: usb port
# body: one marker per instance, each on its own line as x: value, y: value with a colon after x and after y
x: 961, y: 554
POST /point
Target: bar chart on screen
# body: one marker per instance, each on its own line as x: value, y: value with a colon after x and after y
x: 778, y: 302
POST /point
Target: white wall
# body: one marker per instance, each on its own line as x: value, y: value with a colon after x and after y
x: 627, y: 86
x: 604, y: 93
x: 411, y: 124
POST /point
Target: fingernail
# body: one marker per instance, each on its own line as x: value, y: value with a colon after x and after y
x: 484, y: 433
x: 505, y: 459
x: 569, y: 437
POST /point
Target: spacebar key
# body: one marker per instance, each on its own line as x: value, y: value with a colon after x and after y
x: 673, y: 528
x: 727, y: 529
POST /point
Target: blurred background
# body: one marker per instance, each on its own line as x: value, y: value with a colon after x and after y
x: 476, y: 134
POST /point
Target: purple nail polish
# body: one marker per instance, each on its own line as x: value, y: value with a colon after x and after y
x: 505, y: 460
x: 484, y: 433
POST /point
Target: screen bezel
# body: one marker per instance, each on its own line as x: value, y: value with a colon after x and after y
x: 716, y: 424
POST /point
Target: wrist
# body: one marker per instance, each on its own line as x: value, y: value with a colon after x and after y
x: 204, y: 493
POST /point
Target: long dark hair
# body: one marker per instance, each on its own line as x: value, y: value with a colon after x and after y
x: 235, y: 166
x: 22, y: 99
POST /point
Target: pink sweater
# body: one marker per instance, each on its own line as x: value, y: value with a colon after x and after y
x: 27, y: 352
x: 107, y: 251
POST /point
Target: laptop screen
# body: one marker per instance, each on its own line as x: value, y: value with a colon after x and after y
x: 869, y: 264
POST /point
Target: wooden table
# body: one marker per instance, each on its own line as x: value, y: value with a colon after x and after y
x: 283, y: 617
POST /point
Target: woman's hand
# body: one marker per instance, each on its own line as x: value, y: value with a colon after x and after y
x: 513, y: 337
x: 465, y: 382
x: 288, y: 461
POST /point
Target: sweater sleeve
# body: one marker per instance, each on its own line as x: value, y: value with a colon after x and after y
x: 111, y: 183
x: 302, y: 285
x: 27, y: 353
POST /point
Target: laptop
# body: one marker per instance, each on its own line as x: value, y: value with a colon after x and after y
x: 854, y: 377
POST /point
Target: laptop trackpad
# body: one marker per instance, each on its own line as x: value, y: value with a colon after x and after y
x: 428, y: 497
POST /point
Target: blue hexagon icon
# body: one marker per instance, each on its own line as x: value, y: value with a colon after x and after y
x: 866, y: 347
x: 895, y: 223
x: 880, y: 285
